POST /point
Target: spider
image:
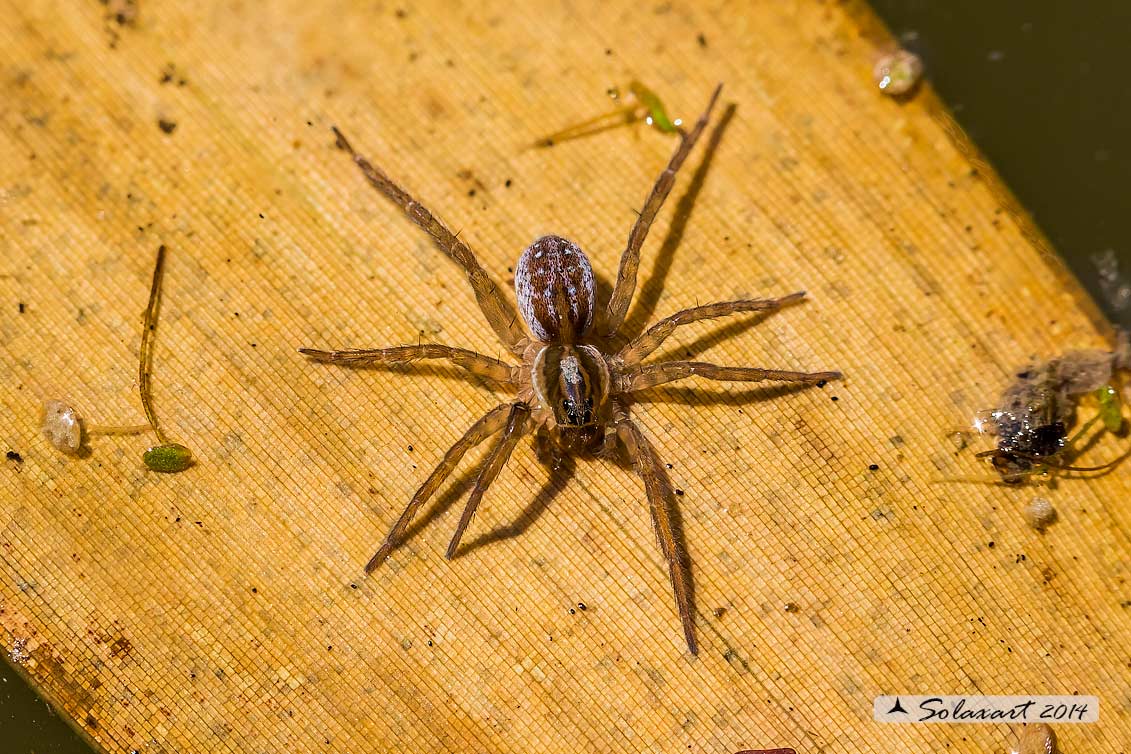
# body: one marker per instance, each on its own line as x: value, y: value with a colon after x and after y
x: 572, y: 382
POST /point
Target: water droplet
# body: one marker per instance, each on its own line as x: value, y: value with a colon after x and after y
x: 62, y: 426
x: 898, y: 74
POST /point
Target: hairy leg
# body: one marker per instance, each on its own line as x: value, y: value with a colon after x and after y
x: 651, y: 375
x: 517, y: 426
x: 661, y: 502
x: 654, y: 336
x: 500, y: 312
x: 630, y: 259
x: 476, y: 363
x: 492, y: 422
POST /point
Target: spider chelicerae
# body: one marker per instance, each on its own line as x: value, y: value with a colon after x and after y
x: 572, y: 381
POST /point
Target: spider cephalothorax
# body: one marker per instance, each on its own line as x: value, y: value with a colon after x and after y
x: 572, y: 383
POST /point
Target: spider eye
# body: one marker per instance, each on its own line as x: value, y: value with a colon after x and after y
x: 570, y: 410
x: 577, y: 415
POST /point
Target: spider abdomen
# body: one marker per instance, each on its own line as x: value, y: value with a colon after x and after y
x: 555, y: 289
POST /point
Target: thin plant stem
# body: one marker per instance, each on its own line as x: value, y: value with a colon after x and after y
x: 149, y: 330
x: 118, y: 429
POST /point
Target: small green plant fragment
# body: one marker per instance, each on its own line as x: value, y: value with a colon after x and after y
x: 66, y: 430
x: 657, y: 117
x: 168, y: 458
x: 149, y: 329
x: 1111, y: 408
x: 639, y: 103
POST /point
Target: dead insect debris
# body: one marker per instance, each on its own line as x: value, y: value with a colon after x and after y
x: 1038, y: 408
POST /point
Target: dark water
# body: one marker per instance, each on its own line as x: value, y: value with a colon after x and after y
x: 1041, y: 86
x: 28, y: 725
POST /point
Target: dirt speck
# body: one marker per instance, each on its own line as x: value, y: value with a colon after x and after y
x: 120, y: 647
x: 118, y: 14
x: 122, y: 12
x: 166, y: 126
x: 170, y: 75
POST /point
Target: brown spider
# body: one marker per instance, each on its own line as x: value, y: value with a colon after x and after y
x: 571, y: 384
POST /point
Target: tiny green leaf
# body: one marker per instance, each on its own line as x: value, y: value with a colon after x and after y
x: 659, y: 117
x: 168, y: 458
x: 1111, y: 408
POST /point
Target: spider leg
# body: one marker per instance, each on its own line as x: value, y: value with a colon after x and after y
x: 644, y: 345
x: 500, y: 312
x: 489, y: 424
x: 630, y: 259
x: 517, y: 426
x: 651, y: 375
x: 661, y: 502
x: 476, y: 363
